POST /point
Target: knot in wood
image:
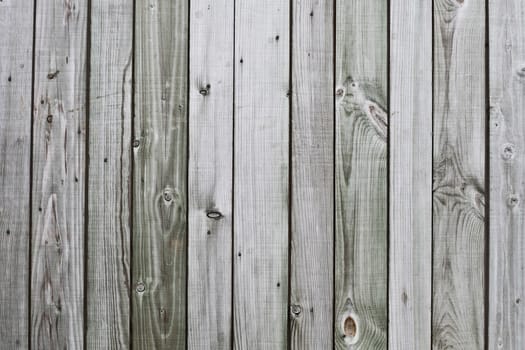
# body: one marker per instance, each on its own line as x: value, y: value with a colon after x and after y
x: 140, y: 287
x: 349, y: 327
x: 513, y: 200
x: 136, y: 143
x: 296, y: 310
x: 49, y: 118
x: 167, y: 196
x: 205, y: 91
x: 214, y: 214
x: 340, y: 92
x: 508, y: 151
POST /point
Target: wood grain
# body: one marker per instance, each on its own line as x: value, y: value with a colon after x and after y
x: 108, y: 260
x: 312, y: 234
x: 159, y: 260
x: 507, y: 164
x: 16, y: 53
x: 410, y: 258
x: 59, y: 169
x: 361, y: 175
x: 262, y: 50
x: 458, y: 175
x: 210, y: 175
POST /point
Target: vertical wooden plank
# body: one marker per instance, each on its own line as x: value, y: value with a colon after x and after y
x: 507, y: 164
x: 361, y: 175
x: 107, y: 290
x: 261, y: 174
x: 312, y: 235
x: 59, y: 148
x: 210, y: 175
x: 16, y: 26
x: 459, y: 175
x: 160, y: 172
x: 410, y: 259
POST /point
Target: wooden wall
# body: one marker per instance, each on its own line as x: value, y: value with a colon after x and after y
x: 280, y: 174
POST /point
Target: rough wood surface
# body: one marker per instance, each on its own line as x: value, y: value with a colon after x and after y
x: 59, y: 167
x: 16, y: 26
x: 410, y: 259
x: 507, y: 165
x: 459, y: 175
x: 108, y: 260
x: 159, y: 175
x: 210, y: 175
x: 312, y: 227
x: 361, y: 175
x: 261, y: 174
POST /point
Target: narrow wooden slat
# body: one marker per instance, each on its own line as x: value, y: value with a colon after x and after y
x: 410, y: 259
x: 262, y: 66
x: 59, y: 148
x: 210, y: 175
x: 159, y: 175
x: 16, y: 26
x: 312, y: 235
x: 458, y: 175
x: 361, y: 175
x: 107, y: 290
x: 507, y: 164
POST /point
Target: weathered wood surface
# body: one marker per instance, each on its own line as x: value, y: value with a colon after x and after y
x: 262, y: 86
x: 108, y: 248
x: 312, y: 183
x: 410, y: 179
x: 507, y: 164
x: 361, y: 175
x: 159, y: 258
x: 15, y: 146
x: 59, y: 168
x: 459, y: 175
x: 210, y: 175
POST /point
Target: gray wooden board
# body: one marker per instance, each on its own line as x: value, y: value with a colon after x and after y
x: 210, y: 175
x: 159, y: 241
x: 16, y: 26
x: 312, y: 235
x: 410, y: 186
x: 59, y: 168
x: 361, y: 175
x: 108, y: 260
x: 459, y: 175
x: 261, y: 174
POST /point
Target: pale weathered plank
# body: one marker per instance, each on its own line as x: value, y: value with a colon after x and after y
x: 410, y: 259
x: 361, y: 175
x: 16, y: 26
x: 458, y: 175
x: 59, y: 148
x: 262, y: 47
x: 160, y: 172
x: 312, y: 210
x: 107, y: 289
x: 210, y: 175
x: 507, y: 164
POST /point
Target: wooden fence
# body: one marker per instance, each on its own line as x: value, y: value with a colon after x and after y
x: 278, y: 174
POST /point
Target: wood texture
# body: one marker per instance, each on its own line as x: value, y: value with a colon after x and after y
x: 410, y: 210
x: 459, y: 175
x: 16, y: 52
x: 312, y: 227
x: 210, y: 175
x: 108, y: 260
x: 507, y: 163
x: 59, y: 168
x: 159, y: 260
x: 361, y: 175
x: 262, y: 50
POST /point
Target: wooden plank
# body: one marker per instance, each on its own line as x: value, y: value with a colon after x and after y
x: 361, y: 175
x: 59, y: 140
x: 261, y: 174
x: 507, y: 164
x: 312, y: 209
x: 160, y: 172
x: 16, y: 25
x: 210, y: 175
x: 107, y: 290
x: 410, y: 180
x: 459, y: 175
